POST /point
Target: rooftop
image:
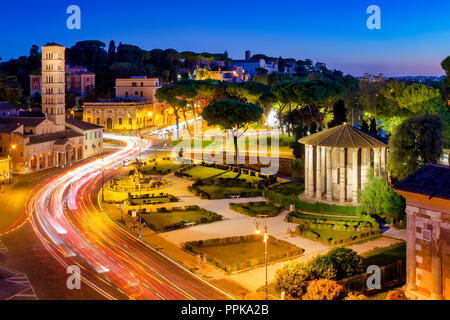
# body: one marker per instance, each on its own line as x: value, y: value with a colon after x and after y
x: 82, y: 125
x: 344, y: 136
x: 431, y: 180
x: 5, y: 105
x: 8, y: 127
x: 26, y: 121
x: 60, y: 138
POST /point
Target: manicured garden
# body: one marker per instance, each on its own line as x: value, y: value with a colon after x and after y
x: 145, y: 199
x: 238, y: 253
x: 160, y: 166
x: 176, y: 218
x: 332, y: 230
x: 254, y: 209
x: 212, y: 189
x: 287, y: 194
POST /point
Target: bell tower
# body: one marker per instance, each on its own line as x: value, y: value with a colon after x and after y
x: 54, y: 84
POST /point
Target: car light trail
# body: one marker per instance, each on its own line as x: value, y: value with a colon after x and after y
x: 65, y: 217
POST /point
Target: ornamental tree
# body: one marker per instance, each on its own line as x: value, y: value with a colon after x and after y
x: 232, y: 115
x: 324, y: 289
x: 416, y: 142
x: 293, y: 279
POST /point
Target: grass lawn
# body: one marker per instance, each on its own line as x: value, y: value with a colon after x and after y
x: 164, y: 221
x: 254, y: 209
x: 385, y: 256
x: 237, y: 253
x: 201, y: 172
x: 289, y: 188
x: 324, y: 235
x: 233, y: 175
x: 161, y: 166
x: 219, y: 191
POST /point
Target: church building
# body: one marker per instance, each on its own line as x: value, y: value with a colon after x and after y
x: 35, y: 143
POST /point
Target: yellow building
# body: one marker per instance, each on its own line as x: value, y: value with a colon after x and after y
x: 137, y: 87
x: 5, y: 170
x: 126, y: 116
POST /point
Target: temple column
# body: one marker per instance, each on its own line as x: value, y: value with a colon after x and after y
x: 329, y: 174
x: 436, y: 261
x: 311, y: 172
x: 323, y: 169
x: 376, y: 162
x: 365, y: 165
x: 383, y: 161
x: 411, y: 249
x: 342, y: 175
x: 355, y: 174
x: 319, y: 173
x: 306, y: 170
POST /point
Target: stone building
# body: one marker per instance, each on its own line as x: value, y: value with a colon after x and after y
x: 138, y: 87
x: 337, y: 163
x: 78, y: 81
x: 125, y: 114
x: 45, y: 140
x: 427, y: 193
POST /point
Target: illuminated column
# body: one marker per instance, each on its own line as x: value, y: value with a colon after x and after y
x: 329, y: 174
x: 355, y: 173
x: 319, y: 173
x: 376, y: 161
x: 365, y: 166
x: 306, y: 170
x: 342, y: 175
x: 311, y: 172
x: 323, y: 169
x: 383, y: 161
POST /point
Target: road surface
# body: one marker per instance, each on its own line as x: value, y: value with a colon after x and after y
x: 64, y: 214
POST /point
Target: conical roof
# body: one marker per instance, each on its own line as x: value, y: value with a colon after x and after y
x: 343, y: 136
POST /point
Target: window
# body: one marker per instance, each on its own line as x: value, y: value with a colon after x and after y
x: 21, y: 154
x: 142, y: 84
x: 100, y: 134
x: 95, y: 134
x: 126, y: 94
x: 120, y: 121
x: 90, y: 135
x: 134, y: 84
x: 85, y: 147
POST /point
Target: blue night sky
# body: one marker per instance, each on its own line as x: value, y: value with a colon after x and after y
x: 414, y: 38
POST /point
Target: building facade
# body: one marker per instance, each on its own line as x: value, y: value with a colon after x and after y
x: 117, y: 115
x: 337, y: 163
x: 78, y: 80
x: 44, y: 141
x: 137, y: 87
x: 427, y: 193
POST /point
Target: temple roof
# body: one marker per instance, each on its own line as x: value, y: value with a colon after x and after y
x: 344, y: 136
x: 431, y: 180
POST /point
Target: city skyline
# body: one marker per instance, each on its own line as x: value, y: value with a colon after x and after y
x: 408, y: 44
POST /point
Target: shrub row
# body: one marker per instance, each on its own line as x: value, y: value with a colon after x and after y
x: 194, y: 248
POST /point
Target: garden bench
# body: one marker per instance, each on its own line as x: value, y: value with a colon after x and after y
x: 235, y: 197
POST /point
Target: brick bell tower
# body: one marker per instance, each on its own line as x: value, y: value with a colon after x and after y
x: 54, y: 84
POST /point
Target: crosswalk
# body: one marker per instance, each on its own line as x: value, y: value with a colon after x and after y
x: 15, y: 285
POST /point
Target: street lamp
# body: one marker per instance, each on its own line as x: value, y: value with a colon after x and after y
x: 262, y: 220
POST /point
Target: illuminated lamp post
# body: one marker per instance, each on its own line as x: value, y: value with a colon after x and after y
x: 10, y: 164
x: 262, y: 219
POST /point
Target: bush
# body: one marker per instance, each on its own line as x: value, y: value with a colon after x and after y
x: 324, y: 289
x: 346, y: 261
x: 293, y: 279
x: 322, y: 267
x: 356, y: 296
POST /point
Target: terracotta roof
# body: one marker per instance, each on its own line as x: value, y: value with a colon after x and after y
x: 59, y: 137
x: 82, y: 125
x: 343, y: 136
x: 431, y: 180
